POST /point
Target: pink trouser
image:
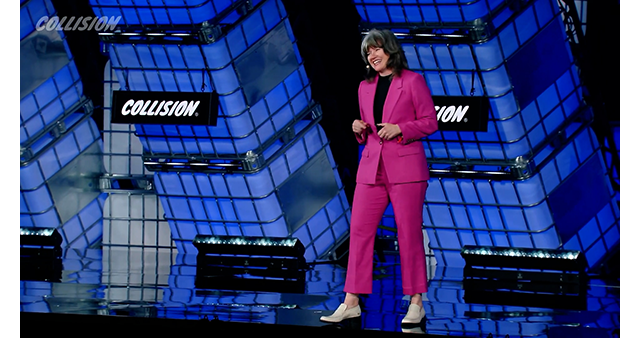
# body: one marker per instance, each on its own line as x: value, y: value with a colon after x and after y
x: 369, y: 204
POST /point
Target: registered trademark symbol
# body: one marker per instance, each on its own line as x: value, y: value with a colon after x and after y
x: 465, y: 119
x: 196, y: 114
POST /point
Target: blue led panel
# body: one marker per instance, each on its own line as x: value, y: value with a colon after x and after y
x: 521, y: 213
x: 599, y: 237
x: 518, y: 123
x: 32, y: 13
x: 167, y: 13
x: 85, y: 228
x: 50, y: 85
x: 251, y: 129
x: 255, y: 68
x: 37, y: 207
x: 250, y: 204
x: 428, y: 11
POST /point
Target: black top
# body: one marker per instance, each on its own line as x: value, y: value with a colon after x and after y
x: 384, y: 82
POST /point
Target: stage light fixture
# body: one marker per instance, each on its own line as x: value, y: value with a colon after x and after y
x: 40, y: 254
x: 515, y: 252
x: 40, y: 237
x: 269, y: 246
x: 40, y: 241
x: 530, y: 277
x: 250, y: 263
x: 526, y: 258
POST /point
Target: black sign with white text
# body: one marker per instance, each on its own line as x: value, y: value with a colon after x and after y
x: 462, y: 113
x: 142, y: 107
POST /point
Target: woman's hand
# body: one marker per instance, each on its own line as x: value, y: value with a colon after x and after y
x: 388, y: 131
x: 359, y: 126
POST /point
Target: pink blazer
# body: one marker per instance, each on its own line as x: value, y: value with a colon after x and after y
x: 410, y: 106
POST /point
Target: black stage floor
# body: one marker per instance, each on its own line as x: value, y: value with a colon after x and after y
x: 142, y: 291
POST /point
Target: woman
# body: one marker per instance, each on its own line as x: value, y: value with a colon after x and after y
x: 396, y: 111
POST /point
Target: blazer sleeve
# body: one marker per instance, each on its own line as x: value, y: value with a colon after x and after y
x: 361, y: 138
x: 426, y: 122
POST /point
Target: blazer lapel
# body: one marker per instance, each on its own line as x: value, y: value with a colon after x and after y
x: 367, y: 101
x: 392, y: 98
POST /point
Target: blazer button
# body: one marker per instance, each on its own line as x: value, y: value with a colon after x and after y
x: 380, y: 142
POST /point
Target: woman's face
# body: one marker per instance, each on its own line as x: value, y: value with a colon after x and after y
x: 378, y: 60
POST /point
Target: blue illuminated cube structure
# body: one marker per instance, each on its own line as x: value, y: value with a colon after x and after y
x: 31, y: 12
x: 168, y: 13
x: 286, y: 184
x: 86, y: 227
x: 297, y: 193
x: 537, y: 127
x: 527, y: 72
x: 256, y: 70
x: 421, y: 12
x: 59, y: 187
x: 523, y: 66
x: 568, y: 203
x: 50, y: 86
x: 60, y: 144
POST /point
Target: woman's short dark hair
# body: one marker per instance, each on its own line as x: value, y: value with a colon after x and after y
x: 386, y: 40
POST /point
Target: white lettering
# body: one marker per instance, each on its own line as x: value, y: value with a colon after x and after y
x: 113, y: 21
x: 181, y: 108
x: 77, y: 23
x: 52, y: 24
x: 137, y: 107
x: 85, y: 23
x: 451, y: 113
x: 157, y: 109
x: 166, y: 108
x: 153, y: 105
x: 191, y: 108
x: 68, y: 26
x: 172, y: 109
x: 92, y: 23
x: 40, y: 25
x: 102, y: 22
x: 126, y: 107
x: 144, y: 109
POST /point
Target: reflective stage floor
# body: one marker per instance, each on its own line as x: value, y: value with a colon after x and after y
x: 158, y: 286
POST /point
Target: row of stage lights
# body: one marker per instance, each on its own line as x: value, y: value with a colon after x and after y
x: 521, y: 252
x: 259, y: 241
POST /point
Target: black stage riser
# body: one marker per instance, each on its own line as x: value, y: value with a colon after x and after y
x: 269, y: 262
x: 524, y: 263
x: 46, y: 252
x: 533, y: 276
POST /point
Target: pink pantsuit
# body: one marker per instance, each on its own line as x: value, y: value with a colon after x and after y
x: 396, y: 171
